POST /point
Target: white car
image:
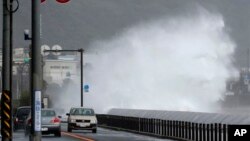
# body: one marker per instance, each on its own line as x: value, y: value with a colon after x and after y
x: 82, y: 119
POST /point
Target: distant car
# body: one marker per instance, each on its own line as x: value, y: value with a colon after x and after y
x: 20, y: 116
x: 82, y: 119
x: 51, y: 124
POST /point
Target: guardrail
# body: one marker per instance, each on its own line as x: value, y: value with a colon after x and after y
x: 172, y: 129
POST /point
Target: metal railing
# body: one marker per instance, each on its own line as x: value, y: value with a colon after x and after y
x: 171, y: 129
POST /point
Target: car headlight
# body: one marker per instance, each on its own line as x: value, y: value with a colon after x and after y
x: 94, y: 121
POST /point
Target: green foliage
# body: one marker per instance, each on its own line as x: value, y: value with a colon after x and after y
x: 25, y: 99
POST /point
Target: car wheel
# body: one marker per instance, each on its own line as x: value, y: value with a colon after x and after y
x: 26, y: 132
x: 94, y: 131
x: 58, y: 134
x: 15, y: 128
x: 69, y: 129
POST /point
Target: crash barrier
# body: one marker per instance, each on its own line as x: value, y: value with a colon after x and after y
x: 169, y: 124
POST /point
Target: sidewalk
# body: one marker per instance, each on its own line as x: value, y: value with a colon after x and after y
x: 18, y: 136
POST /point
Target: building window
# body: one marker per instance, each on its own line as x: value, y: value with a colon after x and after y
x: 55, y: 67
x: 65, y: 67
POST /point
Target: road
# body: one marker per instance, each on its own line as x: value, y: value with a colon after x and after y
x: 101, y: 135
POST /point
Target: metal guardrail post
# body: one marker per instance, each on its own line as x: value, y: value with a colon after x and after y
x: 196, y: 131
x: 204, y: 132
x: 208, y: 132
x: 168, y: 128
x: 216, y: 131
x: 224, y: 130
x: 144, y: 125
x: 174, y: 128
x: 192, y: 136
x: 159, y: 126
x: 186, y: 130
x: 200, y: 131
x: 116, y: 121
x: 119, y: 120
x: 212, y: 132
x: 164, y: 128
x: 219, y: 127
x: 179, y: 130
x: 128, y: 123
x: 130, y: 126
x: 138, y: 124
x: 125, y: 124
x: 132, y: 122
x: 152, y: 127
x: 189, y: 131
x: 156, y: 126
x: 183, y: 129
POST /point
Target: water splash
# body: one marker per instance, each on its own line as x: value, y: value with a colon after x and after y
x: 178, y: 63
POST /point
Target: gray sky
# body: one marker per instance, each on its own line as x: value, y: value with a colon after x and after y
x: 80, y: 22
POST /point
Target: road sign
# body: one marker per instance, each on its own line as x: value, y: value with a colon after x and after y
x: 38, y: 107
x: 43, y: 48
x: 86, y: 88
x: 62, y: 1
x: 56, y: 47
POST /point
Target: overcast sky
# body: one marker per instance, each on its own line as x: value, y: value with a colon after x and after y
x: 81, y: 22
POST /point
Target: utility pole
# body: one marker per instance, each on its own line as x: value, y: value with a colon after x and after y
x: 6, y: 100
x: 36, y: 73
x: 81, y: 87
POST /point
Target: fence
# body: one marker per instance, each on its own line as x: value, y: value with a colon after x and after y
x: 172, y: 129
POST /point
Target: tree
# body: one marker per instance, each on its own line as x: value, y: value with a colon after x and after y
x: 25, y: 99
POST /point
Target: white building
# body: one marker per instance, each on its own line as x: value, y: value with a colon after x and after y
x: 55, y: 71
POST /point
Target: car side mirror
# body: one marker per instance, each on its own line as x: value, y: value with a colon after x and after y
x: 67, y: 114
x: 59, y: 116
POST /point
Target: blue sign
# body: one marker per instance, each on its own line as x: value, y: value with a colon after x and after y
x: 86, y: 88
x: 38, y: 108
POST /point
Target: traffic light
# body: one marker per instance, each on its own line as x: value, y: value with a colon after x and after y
x: 26, y: 60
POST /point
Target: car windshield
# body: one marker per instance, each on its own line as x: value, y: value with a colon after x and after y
x: 23, y: 112
x: 48, y: 113
x: 81, y: 111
